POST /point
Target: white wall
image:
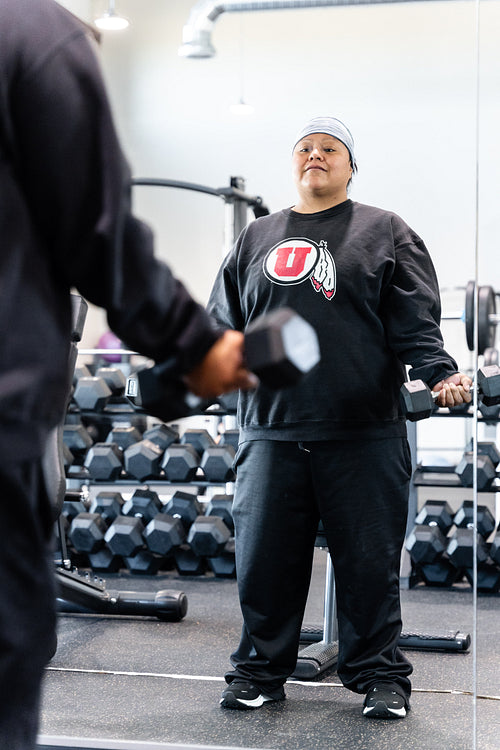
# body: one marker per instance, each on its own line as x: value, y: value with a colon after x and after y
x: 402, y: 76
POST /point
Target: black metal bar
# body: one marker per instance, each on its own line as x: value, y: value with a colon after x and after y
x: 228, y: 194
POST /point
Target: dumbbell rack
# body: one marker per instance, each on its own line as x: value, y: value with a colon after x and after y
x: 429, y: 476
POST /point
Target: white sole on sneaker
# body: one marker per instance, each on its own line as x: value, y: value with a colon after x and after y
x: 382, y: 711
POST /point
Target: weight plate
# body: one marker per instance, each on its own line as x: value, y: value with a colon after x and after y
x: 469, y: 314
x: 486, y: 306
x: 491, y: 356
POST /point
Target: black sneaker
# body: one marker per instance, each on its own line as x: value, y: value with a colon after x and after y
x: 244, y: 696
x: 382, y: 703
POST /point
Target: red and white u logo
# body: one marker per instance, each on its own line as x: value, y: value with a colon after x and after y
x: 291, y: 261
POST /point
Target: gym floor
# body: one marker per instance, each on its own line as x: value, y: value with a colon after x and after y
x: 124, y: 682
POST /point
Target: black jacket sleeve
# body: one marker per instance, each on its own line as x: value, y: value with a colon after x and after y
x: 411, y: 309
x: 77, y: 186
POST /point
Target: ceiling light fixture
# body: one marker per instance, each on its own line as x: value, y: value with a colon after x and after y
x: 111, y: 20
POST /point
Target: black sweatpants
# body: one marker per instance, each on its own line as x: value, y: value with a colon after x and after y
x: 360, y: 491
x: 27, y: 605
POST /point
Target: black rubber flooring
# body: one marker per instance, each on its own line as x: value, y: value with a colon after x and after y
x: 128, y: 682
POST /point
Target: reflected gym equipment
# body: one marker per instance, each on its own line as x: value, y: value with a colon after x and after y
x: 85, y: 593
x: 487, y: 317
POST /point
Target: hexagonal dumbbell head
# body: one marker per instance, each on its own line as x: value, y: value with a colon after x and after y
x: 217, y: 463
x: 163, y: 533
x: 208, y: 536
x: 436, y: 513
x: 230, y: 437
x: 104, y: 561
x: 281, y: 347
x: 488, y: 380
x: 161, y: 435
x: 440, y: 573
x: 485, y: 448
x: 464, y: 518
x: 416, y: 400
x: 199, y: 439
x: 104, y: 462
x: 224, y: 565
x: 488, y: 577
x: 107, y: 504
x: 143, y: 563
x: 114, y: 379
x: 222, y: 506
x: 180, y: 463
x: 425, y: 544
x: 143, y: 504
x: 185, y: 506
x: 460, y: 548
x: 143, y: 460
x: 91, y: 394
x: 124, y: 436
x: 87, y: 532
x: 124, y: 536
x: 495, y: 548
x: 77, y: 438
x: 187, y: 562
x: 485, y: 471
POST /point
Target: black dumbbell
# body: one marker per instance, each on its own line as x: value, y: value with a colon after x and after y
x: 280, y: 348
x: 230, y: 437
x: 164, y: 533
x: 488, y: 458
x: 180, y: 463
x: 217, y: 463
x: 224, y: 565
x: 143, y: 504
x: 143, y: 460
x: 188, y: 563
x: 419, y: 402
x: 440, y: 573
x: 185, y: 506
x: 78, y: 439
x: 208, y: 536
x: 104, y: 462
x: 221, y: 505
x: 124, y: 536
x: 436, y: 513
x: 494, y: 550
x: 460, y: 549
x: 104, y: 561
x: 108, y: 504
x: 161, y: 435
x: 91, y: 393
x: 143, y: 563
x: 464, y: 518
x: 123, y: 436
x: 488, y: 577
x: 114, y: 379
x: 73, y: 505
x: 87, y: 532
x: 200, y: 439
x: 425, y: 543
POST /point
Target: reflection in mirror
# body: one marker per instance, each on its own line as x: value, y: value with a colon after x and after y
x: 417, y: 84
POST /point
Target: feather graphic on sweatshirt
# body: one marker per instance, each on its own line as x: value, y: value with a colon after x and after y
x: 323, y: 276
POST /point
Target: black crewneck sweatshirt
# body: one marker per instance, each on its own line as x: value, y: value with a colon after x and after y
x: 365, y: 281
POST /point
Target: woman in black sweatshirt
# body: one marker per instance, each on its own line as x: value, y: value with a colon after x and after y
x: 334, y: 446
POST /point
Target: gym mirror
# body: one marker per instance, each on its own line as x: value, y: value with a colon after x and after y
x: 417, y: 85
